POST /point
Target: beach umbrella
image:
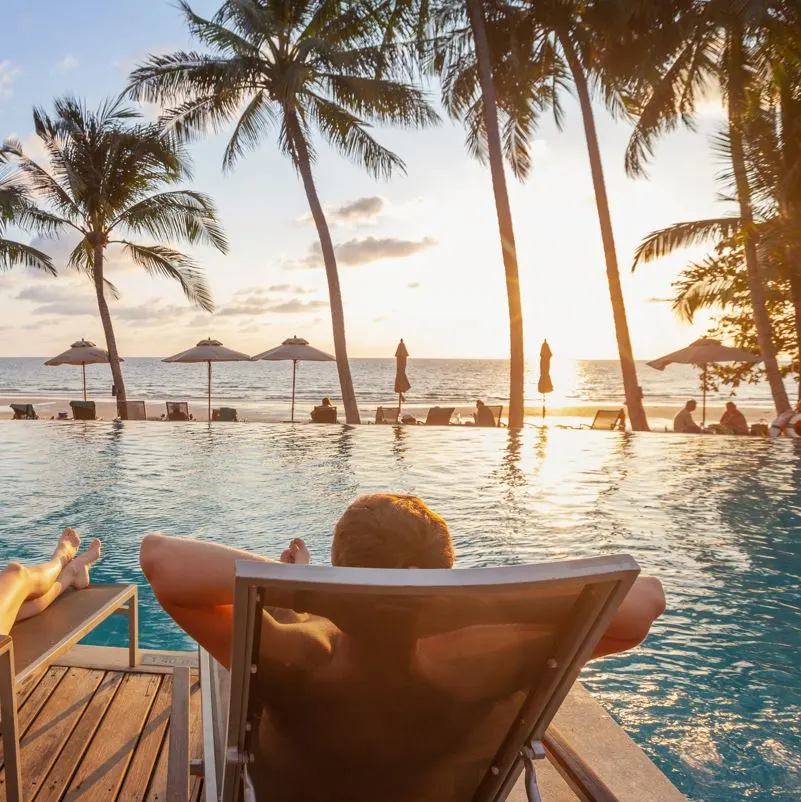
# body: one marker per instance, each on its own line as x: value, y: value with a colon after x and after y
x: 82, y: 353
x: 295, y: 349
x: 703, y: 353
x: 545, y: 385
x: 209, y: 351
x: 402, y: 384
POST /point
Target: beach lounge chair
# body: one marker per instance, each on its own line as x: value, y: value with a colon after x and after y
x: 135, y: 409
x: 324, y: 414
x: 496, y: 652
x: 24, y: 412
x: 224, y: 414
x: 177, y: 410
x: 609, y: 419
x: 34, y: 645
x: 83, y: 410
x: 387, y: 415
x: 496, y: 410
x: 439, y: 416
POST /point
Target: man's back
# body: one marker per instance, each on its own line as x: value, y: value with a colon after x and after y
x: 683, y: 422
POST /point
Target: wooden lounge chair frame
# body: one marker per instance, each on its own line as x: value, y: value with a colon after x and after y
x: 387, y: 415
x: 24, y: 412
x: 136, y: 410
x: 83, y: 410
x: 439, y: 416
x: 609, y: 420
x: 177, y: 406
x: 41, y: 640
x: 598, y: 586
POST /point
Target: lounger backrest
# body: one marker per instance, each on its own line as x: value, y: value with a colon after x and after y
x: 83, y: 410
x: 497, y: 411
x: 608, y: 419
x: 135, y: 409
x: 439, y: 416
x: 461, y: 670
x: 23, y: 411
x: 177, y: 410
x: 387, y: 414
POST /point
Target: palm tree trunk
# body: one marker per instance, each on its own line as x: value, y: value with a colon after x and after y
x: 736, y: 93
x: 331, y: 272
x: 517, y: 366
x: 108, y: 328
x: 628, y: 368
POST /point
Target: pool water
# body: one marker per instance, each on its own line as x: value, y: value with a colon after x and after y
x: 713, y: 696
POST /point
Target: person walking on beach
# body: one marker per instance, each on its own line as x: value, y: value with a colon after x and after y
x: 26, y: 590
x: 734, y: 420
x: 683, y: 423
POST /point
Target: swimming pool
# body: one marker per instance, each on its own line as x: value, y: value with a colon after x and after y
x: 714, y: 696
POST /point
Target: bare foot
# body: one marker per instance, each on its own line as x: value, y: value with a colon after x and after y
x: 67, y: 546
x: 296, y: 554
x: 80, y: 565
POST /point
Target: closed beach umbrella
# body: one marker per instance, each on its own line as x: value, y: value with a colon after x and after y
x: 82, y: 353
x: 295, y: 349
x: 703, y: 353
x: 402, y: 384
x: 209, y: 351
x: 545, y: 385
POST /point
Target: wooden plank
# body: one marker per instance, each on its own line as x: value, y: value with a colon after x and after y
x: 52, y: 727
x: 105, y: 762
x: 71, y: 755
x: 178, y: 766
x: 149, y: 747
x: 39, y: 694
x: 114, y: 658
x: 195, y: 737
x: 158, y: 783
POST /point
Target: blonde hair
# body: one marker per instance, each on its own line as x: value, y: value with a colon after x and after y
x: 383, y: 530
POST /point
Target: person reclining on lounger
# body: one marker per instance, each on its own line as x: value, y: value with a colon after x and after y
x: 26, y: 590
x: 381, y: 714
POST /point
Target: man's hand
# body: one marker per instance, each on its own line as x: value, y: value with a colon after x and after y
x: 296, y: 554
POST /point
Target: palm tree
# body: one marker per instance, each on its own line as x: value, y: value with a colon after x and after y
x: 106, y: 169
x: 17, y: 208
x: 720, y: 45
x: 298, y: 66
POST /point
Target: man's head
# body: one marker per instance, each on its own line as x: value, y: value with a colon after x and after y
x: 326, y: 402
x: 731, y: 406
x: 383, y: 530
x: 690, y: 406
x: 479, y: 403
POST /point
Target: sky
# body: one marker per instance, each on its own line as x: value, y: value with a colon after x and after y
x: 419, y: 255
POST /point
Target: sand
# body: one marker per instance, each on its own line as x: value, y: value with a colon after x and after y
x: 659, y: 417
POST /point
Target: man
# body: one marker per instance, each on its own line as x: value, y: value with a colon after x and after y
x: 683, y: 423
x: 324, y: 413
x: 484, y: 416
x: 733, y: 419
x: 380, y: 709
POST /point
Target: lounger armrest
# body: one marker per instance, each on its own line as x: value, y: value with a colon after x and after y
x: 178, y: 764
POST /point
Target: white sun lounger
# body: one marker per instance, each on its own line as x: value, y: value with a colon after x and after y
x: 514, y: 638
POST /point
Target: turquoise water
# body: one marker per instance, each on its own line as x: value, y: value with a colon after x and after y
x: 713, y: 696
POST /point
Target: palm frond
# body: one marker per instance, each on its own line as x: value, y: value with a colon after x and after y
x: 684, y: 235
x: 13, y: 254
x: 164, y: 261
x: 250, y: 128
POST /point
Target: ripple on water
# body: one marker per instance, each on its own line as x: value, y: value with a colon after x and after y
x: 713, y: 696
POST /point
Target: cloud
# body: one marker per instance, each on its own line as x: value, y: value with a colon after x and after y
x: 263, y: 306
x: 8, y: 74
x: 69, y: 62
x: 359, y: 210
x: 293, y: 288
x: 366, y: 250
x: 413, y: 285
x: 296, y: 306
x: 59, y: 297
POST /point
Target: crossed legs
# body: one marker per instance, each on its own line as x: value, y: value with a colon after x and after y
x: 27, y: 590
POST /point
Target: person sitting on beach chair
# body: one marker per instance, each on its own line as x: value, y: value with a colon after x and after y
x: 324, y: 413
x: 683, y: 423
x: 733, y: 421
x: 484, y: 416
x: 194, y: 580
x: 26, y: 590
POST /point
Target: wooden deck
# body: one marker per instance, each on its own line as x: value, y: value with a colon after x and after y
x: 98, y: 735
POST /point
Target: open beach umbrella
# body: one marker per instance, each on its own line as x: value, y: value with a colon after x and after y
x: 703, y: 353
x: 82, y: 353
x: 297, y: 350
x: 402, y: 384
x: 209, y: 351
x: 545, y: 385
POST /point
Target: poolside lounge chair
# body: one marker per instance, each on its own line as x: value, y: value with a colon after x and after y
x: 387, y: 415
x: 83, y: 410
x: 609, y: 419
x: 24, y: 412
x: 224, y: 414
x: 324, y: 413
x: 135, y: 409
x: 177, y: 410
x: 496, y: 410
x: 439, y: 416
x: 497, y: 650
x: 34, y: 645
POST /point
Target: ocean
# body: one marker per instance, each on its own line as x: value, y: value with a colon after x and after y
x: 577, y: 383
